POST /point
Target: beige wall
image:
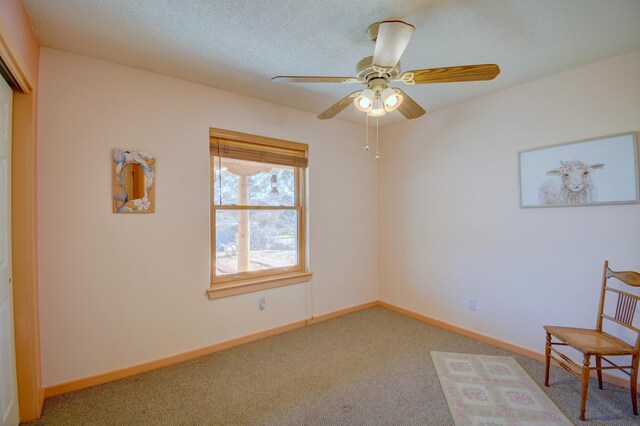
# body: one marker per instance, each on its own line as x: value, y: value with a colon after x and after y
x: 449, y: 222
x: 121, y: 290
x: 14, y: 16
x: 118, y: 290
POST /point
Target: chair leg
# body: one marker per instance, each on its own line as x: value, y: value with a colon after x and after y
x: 599, y: 365
x: 634, y: 383
x: 585, y: 386
x: 547, y: 359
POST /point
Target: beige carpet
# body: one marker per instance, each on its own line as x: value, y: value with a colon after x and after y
x: 368, y: 368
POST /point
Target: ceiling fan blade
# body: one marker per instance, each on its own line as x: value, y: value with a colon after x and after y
x: 451, y: 74
x: 339, y: 106
x: 312, y: 79
x: 409, y: 108
x: 391, y: 41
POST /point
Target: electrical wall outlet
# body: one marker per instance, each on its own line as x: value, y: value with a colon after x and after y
x: 262, y: 304
x: 471, y: 304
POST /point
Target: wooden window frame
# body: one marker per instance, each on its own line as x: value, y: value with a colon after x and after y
x: 249, y: 281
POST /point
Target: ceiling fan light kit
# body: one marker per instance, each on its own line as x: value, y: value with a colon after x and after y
x: 391, y: 38
x: 391, y: 99
x: 364, y: 101
x: 378, y: 108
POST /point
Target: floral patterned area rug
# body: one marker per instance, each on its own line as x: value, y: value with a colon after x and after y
x: 486, y: 390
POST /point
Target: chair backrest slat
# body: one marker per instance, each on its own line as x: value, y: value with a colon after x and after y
x: 626, y: 308
x: 614, y: 290
x: 628, y: 277
x: 612, y: 319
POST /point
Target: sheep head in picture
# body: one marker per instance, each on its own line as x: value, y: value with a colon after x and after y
x: 571, y: 184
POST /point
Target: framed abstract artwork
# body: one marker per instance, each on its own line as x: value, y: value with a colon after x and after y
x: 595, y: 171
x: 133, y: 178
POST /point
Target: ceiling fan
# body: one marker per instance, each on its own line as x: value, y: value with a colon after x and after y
x: 378, y: 71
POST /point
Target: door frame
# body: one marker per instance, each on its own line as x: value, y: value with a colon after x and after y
x: 24, y: 229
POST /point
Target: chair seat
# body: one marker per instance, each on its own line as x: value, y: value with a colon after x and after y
x: 591, y: 342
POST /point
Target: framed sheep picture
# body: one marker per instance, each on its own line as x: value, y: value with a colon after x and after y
x: 588, y: 172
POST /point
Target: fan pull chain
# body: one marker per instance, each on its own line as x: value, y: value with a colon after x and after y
x: 366, y: 133
x: 377, y: 140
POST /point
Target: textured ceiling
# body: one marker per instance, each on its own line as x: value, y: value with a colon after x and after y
x: 238, y: 45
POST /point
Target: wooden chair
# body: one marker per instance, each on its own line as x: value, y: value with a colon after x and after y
x: 599, y: 343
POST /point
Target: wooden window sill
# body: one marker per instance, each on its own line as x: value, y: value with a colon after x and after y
x: 217, y: 291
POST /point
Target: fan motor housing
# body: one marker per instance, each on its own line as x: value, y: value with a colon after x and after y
x: 365, y: 71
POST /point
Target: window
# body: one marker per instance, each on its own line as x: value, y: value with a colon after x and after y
x: 257, y: 213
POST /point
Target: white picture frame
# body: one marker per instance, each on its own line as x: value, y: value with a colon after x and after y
x: 596, y: 171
